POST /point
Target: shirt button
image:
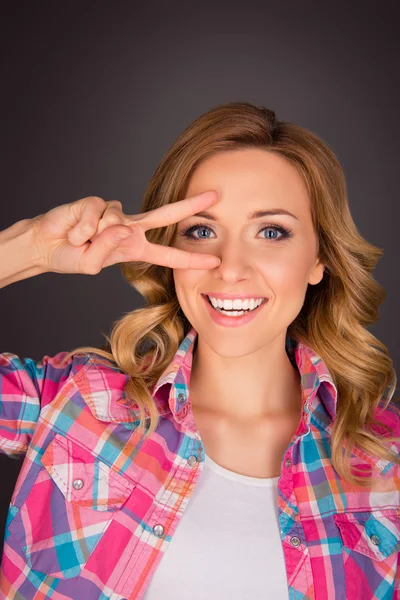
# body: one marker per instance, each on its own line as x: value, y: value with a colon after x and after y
x: 192, y: 460
x: 158, y: 530
x: 181, y: 398
x: 375, y: 540
x: 288, y: 462
x: 77, y: 484
x: 295, y: 541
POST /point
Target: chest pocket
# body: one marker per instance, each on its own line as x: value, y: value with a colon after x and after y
x: 68, y: 509
x: 370, y: 551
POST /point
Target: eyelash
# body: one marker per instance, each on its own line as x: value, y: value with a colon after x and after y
x: 286, y: 233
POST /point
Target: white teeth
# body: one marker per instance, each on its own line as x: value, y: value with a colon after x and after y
x: 236, y: 304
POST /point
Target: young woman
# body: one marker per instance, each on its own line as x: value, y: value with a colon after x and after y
x: 238, y: 437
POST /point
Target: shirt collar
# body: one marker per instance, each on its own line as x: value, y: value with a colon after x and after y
x: 319, y: 393
x: 171, y: 390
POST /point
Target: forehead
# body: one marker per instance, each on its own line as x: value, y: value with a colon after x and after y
x: 251, y: 177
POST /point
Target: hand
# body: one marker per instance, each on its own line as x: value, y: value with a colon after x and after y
x: 90, y: 234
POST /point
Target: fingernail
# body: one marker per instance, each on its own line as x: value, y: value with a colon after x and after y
x: 214, y: 262
x: 123, y: 235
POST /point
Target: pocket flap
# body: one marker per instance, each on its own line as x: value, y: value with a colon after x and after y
x: 83, y: 478
x: 375, y: 534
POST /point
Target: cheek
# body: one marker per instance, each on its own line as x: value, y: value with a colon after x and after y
x: 187, y: 286
x: 187, y: 281
x: 283, y: 272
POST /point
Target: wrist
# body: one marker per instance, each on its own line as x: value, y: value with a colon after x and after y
x: 19, y: 252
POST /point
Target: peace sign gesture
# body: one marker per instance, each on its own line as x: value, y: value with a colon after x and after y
x: 90, y: 234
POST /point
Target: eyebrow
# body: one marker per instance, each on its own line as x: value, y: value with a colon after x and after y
x: 254, y: 215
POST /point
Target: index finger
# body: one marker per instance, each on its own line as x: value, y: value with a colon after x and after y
x: 168, y: 256
x: 175, y: 211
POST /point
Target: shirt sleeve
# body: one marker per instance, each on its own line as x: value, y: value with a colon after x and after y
x: 26, y: 386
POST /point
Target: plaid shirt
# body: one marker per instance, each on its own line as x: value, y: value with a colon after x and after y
x: 93, y: 511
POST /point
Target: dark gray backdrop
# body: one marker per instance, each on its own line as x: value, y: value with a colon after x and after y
x: 92, y: 97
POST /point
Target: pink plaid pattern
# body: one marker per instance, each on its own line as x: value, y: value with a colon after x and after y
x: 94, y: 511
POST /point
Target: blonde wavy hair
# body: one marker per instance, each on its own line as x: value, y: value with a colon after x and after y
x: 335, y: 313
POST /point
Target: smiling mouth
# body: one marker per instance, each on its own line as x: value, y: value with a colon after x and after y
x: 232, y: 312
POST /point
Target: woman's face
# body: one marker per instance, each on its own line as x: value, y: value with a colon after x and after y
x: 257, y: 257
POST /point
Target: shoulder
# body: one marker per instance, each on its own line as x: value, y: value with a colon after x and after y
x: 94, y: 367
x: 94, y: 371
x: 101, y: 386
x: 37, y: 379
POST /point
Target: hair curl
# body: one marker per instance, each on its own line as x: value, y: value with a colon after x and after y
x: 335, y: 312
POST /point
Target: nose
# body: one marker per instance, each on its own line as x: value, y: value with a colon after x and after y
x: 236, y: 263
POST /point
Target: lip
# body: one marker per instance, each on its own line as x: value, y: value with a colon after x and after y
x: 232, y: 296
x: 221, y: 319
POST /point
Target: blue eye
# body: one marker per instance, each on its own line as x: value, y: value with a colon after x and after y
x: 188, y: 232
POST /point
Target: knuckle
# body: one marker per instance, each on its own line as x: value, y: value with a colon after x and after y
x: 111, y: 217
x: 96, y: 204
x: 115, y: 204
x: 113, y: 212
x: 96, y: 200
x: 86, y: 227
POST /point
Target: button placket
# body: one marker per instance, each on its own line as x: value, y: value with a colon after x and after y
x: 294, y: 540
x: 158, y: 529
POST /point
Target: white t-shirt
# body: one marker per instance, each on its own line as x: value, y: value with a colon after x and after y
x: 227, y: 545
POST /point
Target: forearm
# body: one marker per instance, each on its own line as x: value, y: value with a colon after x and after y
x: 18, y: 255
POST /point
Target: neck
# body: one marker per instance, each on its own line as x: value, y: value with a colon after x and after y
x: 259, y: 385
